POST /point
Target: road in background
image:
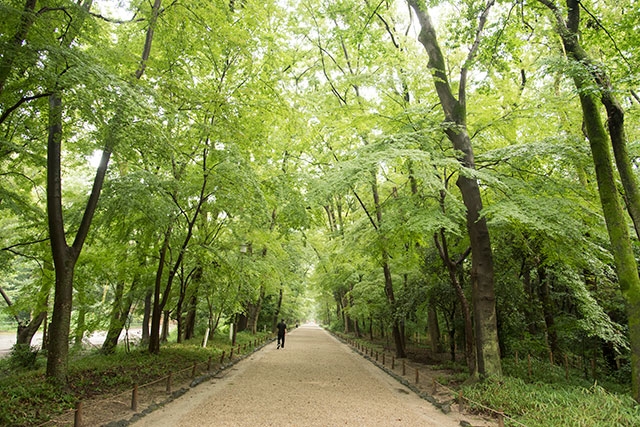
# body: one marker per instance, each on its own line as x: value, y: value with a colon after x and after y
x: 8, y: 339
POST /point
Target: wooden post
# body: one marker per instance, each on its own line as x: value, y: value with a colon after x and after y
x: 393, y: 362
x: 460, y: 402
x: 383, y: 358
x: 77, y: 416
x: 209, y: 364
x: 193, y: 371
x: 231, y: 354
x: 134, y: 398
x: 435, y: 386
x: 169, y: 382
x: 404, y: 367
x: 222, y: 357
x: 417, y: 376
x: 500, y: 419
x: 376, y: 356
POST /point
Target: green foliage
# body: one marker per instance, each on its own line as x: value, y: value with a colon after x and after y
x: 541, y: 404
x: 23, y: 356
x: 27, y: 399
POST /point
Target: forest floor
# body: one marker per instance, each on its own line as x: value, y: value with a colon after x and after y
x: 315, y: 381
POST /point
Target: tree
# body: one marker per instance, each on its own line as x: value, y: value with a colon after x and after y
x: 596, y: 134
x: 65, y: 256
x: 486, y: 332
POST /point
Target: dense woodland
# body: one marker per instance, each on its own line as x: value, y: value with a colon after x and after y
x: 463, y: 170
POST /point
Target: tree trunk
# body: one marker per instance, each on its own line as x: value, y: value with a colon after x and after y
x: 621, y: 247
x: 482, y: 281
x: 529, y: 310
x: 118, y: 318
x: 146, y: 317
x: 386, y: 270
x: 80, y: 325
x: 179, y: 310
x: 166, y: 325
x: 190, y: 320
x: 548, y: 312
x: 26, y: 332
x: 156, y: 312
x: 452, y: 269
x: 254, y: 314
x: 433, y: 328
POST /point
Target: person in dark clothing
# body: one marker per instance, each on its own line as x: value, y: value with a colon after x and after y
x: 282, y: 329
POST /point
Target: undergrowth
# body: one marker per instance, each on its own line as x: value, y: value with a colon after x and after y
x: 546, y: 398
x: 27, y: 399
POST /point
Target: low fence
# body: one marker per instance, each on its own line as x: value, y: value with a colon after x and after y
x: 145, y: 395
x: 412, y: 378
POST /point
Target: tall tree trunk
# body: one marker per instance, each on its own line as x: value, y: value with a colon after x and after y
x: 386, y: 270
x: 529, y: 310
x: 80, y: 326
x: 166, y: 324
x: 433, y: 328
x: 156, y: 311
x: 482, y: 280
x: 179, y: 310
x: 146, y: 317
x: 452, y: 269
x: 548, y: 312
x: 254, y: 312
x: 626, y: 266
x: 190, y: 319
x: 622, y: 250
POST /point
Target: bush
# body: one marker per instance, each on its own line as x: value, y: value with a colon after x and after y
x: 23, y: 356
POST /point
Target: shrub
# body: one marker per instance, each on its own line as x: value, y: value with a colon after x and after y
x: 23, y: 356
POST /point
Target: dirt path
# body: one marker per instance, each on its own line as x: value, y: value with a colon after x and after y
x: 314, y: 381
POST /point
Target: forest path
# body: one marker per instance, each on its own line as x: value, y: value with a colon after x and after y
x: 314, y: 381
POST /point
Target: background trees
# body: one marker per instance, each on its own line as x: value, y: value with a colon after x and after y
x: 263, y: 155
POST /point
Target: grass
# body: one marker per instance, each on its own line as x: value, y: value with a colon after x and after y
x: 546, y: 398
x: 27, y: 399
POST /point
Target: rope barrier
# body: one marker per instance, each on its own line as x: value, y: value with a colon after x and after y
x: 499, y: 414
x: 82, y: 406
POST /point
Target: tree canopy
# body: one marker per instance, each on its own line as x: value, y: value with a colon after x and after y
x: 466, y: 170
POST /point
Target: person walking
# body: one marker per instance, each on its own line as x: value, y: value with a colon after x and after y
x: 282, y: 329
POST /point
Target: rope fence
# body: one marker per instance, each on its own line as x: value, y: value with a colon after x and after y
x: 381, y: 358
x: 166, y: 385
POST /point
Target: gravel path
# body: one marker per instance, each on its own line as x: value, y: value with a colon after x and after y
x: 314, y: 381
